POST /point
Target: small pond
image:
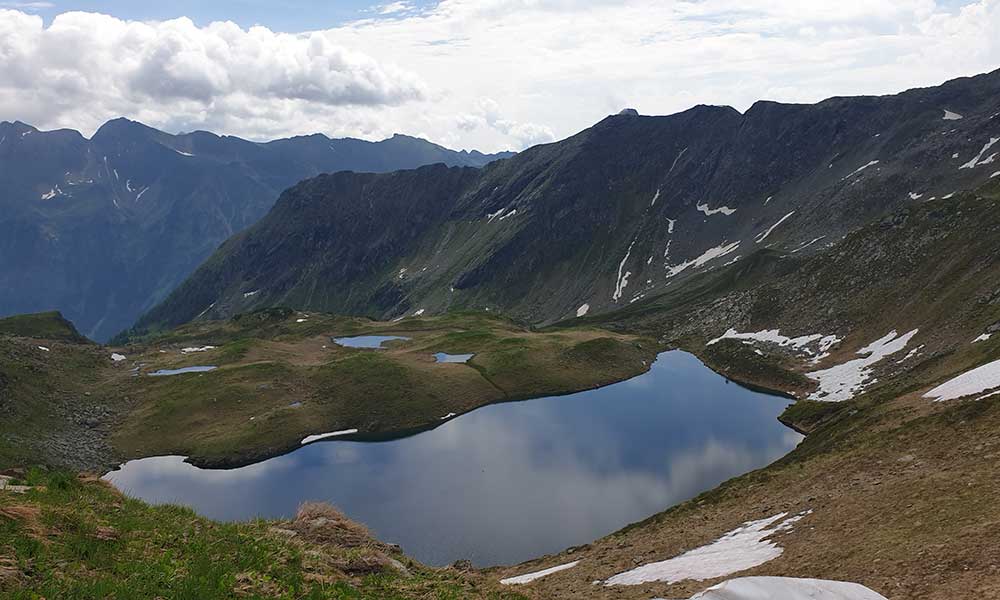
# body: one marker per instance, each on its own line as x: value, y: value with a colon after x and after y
x: 512, y: 481
x: 441, y: 357
x: 366, y: 341
x: 181, y: 371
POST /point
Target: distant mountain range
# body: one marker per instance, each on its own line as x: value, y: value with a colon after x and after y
x: 622, y: 212
x: 104, y: 228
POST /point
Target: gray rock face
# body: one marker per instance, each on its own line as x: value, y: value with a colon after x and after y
x: 623, y: 211
x: 102, y: 229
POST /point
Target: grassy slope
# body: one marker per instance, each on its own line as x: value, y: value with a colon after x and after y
x: 82, y: 539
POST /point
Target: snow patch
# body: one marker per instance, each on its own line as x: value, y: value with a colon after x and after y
x: 529, y: 577
x: 672, y: 222
x: 861, y: 168
x: 915, y: 196
x: 52, y: 193
x: 980, y: 379
x: 786, y: 588
x: 714, y: 211
x: 43, y: 349
x: 251, y: 294
x: 843, y: 381
x: 807, y: 244
x: 708, y: 255
x: 622, y: 281
x: 197, y: 349
x: 510, y: 214
x: 323, y: 436
x: 419, y: 312
x: 117, y: 357
x: 976, y: 160
x: 951, y: 116
x: 583, y: 310
x: 447, y: 416
x: 982, y: 338
x: 760, y: 238
x: 997, y: 174
x: 743, y: 548
x: 655, y: 198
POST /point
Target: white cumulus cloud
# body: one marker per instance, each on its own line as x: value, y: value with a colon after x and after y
x: 489, y: 74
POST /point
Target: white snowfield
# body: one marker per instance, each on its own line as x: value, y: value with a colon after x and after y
x: 529, y: 577
x: 743, y: 548
x: 976, y: 381
x: 708, y: 255
x: 583, y: 310
x: 951, y: 116
x: 714, y: 211
x: 801, y: 343
x: 323, y: 436
x: 786, y: 588
x: 843, y: 381
x: 117, y: 357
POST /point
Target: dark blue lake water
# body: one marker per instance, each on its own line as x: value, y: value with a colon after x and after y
x: 513, y: 481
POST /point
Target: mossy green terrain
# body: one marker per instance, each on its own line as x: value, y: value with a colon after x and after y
x: 281, y: 378
x: 79, y: 538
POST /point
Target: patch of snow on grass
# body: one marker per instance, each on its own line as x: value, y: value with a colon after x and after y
x: 197, y: 349
x: 742, y: 548
x: 949, y: 196
x: 843, y: 381
x: 529, y: 577
x: 982, y: 338
x: 915, y: 196
x: 251, y: 294
x: 997, y: 174
x: 976, y: 159
x: 709, y: 255
x: 510, y: 214
x: 774, y: 336
x: 760, y: 238
x: 52, y: 193
x: 714, y: 211
x: 419, y: 312
x: 978, y: 380
x: 951, y: 116
x: 447, y: 416
x: 322, y: 436
x: 43, y: 349
x: 786, y: 588
x: 117, y: 357
x: 583, y: 310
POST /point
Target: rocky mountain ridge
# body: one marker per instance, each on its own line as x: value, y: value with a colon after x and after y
x: 619, y: 213
x: 103, y: 228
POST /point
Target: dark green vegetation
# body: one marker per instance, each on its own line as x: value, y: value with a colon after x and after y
x: 79, y: 538
x: 102, y: 229
x: 628, y: 209
x: 48, y: 326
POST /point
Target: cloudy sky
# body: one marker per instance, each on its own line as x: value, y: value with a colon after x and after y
x: 486, y: 74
